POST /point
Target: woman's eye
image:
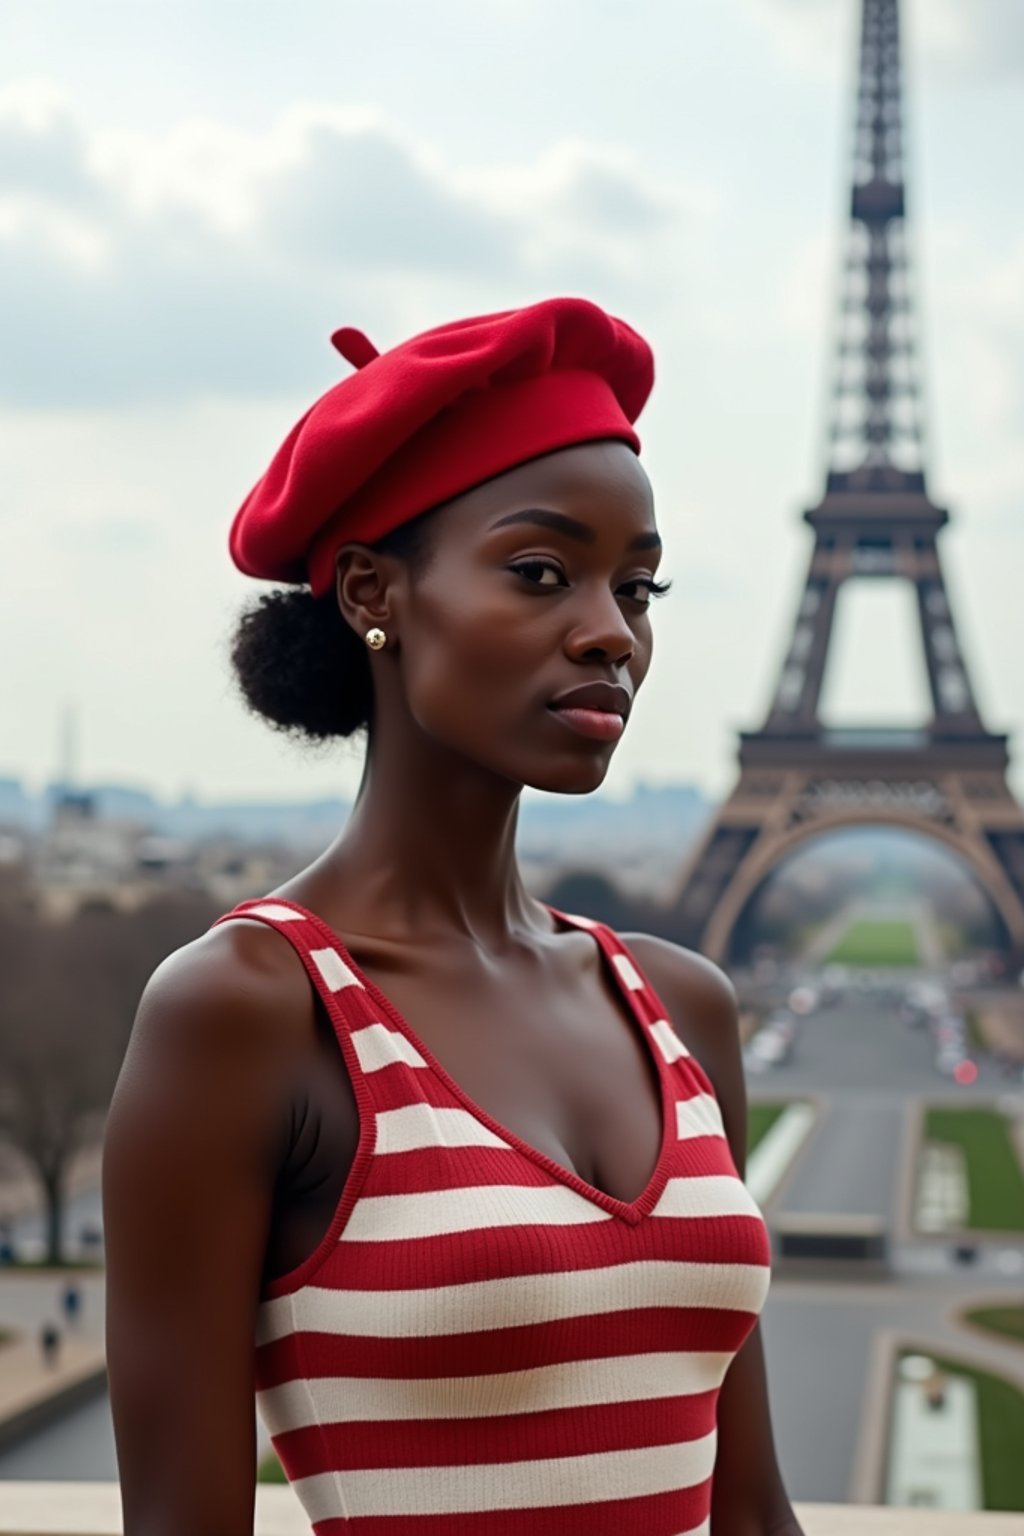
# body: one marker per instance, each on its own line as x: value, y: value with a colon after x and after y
x: 640, y: 591
x: 533, y: 570
x: 648, y: 588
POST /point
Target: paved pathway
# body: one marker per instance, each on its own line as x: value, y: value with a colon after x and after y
x: 38, y: 1400
x: 825, y: 1344
x: 78, y: 1443
x: 935, y: 1439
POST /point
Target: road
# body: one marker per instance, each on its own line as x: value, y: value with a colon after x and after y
x: 869, y: 1073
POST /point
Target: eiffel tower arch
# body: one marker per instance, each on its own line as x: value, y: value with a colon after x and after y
x: 876, y: 521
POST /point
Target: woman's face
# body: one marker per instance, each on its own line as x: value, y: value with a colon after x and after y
x: 539, y: 583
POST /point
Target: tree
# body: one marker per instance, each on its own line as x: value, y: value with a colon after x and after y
x: 590, y: 893
x: 68, y: 995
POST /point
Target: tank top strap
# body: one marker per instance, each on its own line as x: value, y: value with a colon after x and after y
x: 638, y: 988
x: 365, y: 1034
x: 646, y: 1002
x: 335, y: 981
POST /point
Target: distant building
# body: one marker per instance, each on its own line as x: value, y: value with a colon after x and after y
x: 14, y: 865
x: 67, y: 846
x: 83, y: 857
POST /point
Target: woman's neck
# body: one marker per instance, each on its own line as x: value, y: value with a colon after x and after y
x: 431, y: 854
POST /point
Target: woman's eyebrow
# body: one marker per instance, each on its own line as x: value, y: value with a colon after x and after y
x: 561, y: 522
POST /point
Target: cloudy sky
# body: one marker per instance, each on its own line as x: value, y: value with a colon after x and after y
x: 194, y: 195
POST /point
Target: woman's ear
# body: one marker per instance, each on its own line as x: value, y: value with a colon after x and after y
x: 363, y: 587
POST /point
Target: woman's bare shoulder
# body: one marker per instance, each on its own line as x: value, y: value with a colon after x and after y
x: 225, y: 1022
x: 238, y: 975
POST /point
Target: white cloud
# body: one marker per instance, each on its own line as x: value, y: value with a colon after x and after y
x: 972, y: 39
x: 197, y: 262
x: 42, y: 150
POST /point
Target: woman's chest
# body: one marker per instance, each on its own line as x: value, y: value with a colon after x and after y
x: 565, y: 1070
x: 503, y: 1174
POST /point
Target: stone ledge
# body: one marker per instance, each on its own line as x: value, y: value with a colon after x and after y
x: 94, y: 1509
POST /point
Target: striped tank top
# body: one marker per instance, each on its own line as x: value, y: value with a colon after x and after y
x: 483, y: 1344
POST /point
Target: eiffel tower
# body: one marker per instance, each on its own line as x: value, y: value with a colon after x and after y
x: 875, y: 521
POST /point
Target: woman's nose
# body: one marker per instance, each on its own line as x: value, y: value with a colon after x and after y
x: 602, y: 629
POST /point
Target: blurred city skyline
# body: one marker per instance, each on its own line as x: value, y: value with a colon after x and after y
x: 183, y: 221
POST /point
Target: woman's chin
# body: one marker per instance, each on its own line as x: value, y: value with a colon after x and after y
x: 572, y: 778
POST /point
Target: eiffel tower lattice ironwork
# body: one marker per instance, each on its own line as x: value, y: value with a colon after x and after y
x: 799, y: 778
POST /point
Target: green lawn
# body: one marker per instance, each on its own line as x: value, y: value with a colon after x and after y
x: 760, y: 1119
x: 1005, y: 1320
x: 1001, y: 1426
x: 994, y: 1179
x: 869, y: 942
x: 270, y: 1469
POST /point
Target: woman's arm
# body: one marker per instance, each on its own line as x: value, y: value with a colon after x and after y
x: 196, y: 1131
x: 748, y: 1496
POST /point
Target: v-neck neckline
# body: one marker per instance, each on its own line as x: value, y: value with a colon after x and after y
x: 631, y: 1211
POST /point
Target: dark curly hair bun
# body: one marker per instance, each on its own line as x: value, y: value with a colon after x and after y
x: 300, y: 666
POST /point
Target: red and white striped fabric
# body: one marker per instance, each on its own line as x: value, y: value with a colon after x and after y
x: 483, y: 1344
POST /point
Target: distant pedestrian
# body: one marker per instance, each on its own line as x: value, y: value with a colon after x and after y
x: 71, y: 1301
x: 935, y: 1389
x: 49, y: 1339
x: 90, y: 1235
x: 6, y: 1243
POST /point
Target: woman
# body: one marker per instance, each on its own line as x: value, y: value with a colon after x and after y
x: 447, y: 1176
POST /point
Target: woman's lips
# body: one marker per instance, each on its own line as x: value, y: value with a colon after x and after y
x: 600, y: 724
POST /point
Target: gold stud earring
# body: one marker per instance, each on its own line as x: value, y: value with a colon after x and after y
x: 375, y: 638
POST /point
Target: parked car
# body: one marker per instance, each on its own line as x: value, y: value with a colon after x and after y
x: 948, y: 1058
x: 773, y: 1043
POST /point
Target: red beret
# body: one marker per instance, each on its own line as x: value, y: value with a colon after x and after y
x: 431, y: 418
